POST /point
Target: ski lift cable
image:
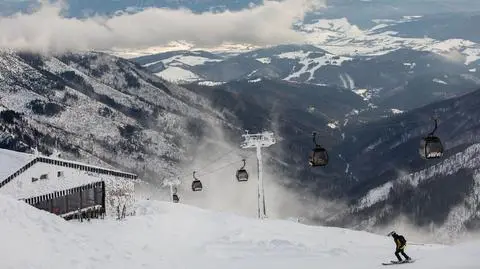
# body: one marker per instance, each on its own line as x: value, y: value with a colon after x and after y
x: 227, y: 165
x: 223, y: 155
x: 217, y: 169
x: 366, y: 126
x: 184, y: 176
x: 300, y: 136
x: 374, y: 125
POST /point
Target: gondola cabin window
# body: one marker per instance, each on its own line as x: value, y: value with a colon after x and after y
x: 434, y: 155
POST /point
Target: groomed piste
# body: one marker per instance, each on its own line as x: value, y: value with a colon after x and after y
x: 167, y: 235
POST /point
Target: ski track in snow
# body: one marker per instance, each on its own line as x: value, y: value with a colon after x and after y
x: 177, y: 74
x: 165, y: 235
x: 188, y: 60
x: 310, y: 65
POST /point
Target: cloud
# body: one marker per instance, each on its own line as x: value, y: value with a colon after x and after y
x: 455, y: 56
x: 46, y: 30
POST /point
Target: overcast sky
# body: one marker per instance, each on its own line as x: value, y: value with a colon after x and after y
x: 46, y: 30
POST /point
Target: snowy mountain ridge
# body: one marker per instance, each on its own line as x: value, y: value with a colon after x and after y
x: 341, y: 38
x: 391, y: 81
x: 367, y: 61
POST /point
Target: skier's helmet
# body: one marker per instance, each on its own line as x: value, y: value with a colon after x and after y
x: 391, y: 233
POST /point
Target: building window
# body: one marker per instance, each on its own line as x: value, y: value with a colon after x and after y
x: 60, y: 174
x: 34, y: 179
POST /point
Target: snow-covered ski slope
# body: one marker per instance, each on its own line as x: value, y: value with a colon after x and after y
x: 165, y: 235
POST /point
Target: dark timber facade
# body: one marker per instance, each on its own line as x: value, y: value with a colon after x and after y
x: 87, y: 201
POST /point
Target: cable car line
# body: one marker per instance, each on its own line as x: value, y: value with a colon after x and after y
x: 185, y: 175
x: 228, y: 164
x: 430, y: 147
x: 197, y: 184
x: 223, y: 155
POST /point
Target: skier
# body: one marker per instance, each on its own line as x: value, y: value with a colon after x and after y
x: 401, y: 243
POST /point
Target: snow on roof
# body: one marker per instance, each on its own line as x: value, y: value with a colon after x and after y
x: 41, y: 187
x: 11, y: 161
x: 86, y: 164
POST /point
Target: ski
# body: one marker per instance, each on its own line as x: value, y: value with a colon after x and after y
x: 397, y: 262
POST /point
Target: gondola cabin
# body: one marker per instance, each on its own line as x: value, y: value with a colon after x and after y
x: 196, y: 184
x: 242, y: 175
x: 431, y: 147
x: 318, y: 157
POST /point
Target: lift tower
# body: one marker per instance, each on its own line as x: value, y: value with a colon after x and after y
x: 259, y: 141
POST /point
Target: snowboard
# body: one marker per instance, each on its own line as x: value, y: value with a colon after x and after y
x: 397, y: 262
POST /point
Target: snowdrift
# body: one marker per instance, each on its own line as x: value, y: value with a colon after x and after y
x: 165, y: 235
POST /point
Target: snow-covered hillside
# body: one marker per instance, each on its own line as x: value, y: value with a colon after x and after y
x: 102, y: 110
x: 164, y: 235
x: 342, y: 38
x: 111, y: 112
x: 391, y: 182
x: 460, y: 214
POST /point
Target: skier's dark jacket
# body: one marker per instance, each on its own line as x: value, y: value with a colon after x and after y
x: 399, y: 240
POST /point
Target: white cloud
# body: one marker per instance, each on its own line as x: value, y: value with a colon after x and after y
x: 46, y: 30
